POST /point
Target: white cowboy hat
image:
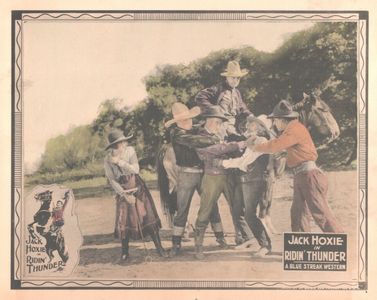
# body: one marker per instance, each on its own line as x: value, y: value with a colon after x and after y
x: 182, y: 112
x: 233, y: 70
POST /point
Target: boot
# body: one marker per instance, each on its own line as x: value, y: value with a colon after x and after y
x: 176, y: 245
x: 199, y: 237
x: 262, y: 252
x: 125, y: 255
x: 239, y: 240
x: 157, y: 242
x: 220, y: 239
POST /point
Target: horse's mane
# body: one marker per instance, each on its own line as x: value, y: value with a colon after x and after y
x: 315, y: 112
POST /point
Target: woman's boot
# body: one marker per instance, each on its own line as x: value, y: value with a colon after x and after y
x: 157, y: 242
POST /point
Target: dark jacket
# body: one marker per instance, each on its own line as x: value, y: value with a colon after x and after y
x: 211, y: 154
x: 213, y: 95
x: 184, y: 144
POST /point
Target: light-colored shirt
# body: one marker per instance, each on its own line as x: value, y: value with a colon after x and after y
x: 126, y: 163
x: 246, y: 159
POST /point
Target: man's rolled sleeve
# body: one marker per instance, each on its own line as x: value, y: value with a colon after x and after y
x: 286, y: 140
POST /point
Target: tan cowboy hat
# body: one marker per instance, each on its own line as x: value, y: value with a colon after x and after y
x: 233, y: 70
x: 182, y: 112
x: 116, y: 136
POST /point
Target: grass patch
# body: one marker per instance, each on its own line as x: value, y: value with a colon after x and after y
x: 86, y: 183
x: 87, y: 187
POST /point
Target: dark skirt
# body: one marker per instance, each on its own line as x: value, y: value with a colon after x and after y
x: 130, y: 219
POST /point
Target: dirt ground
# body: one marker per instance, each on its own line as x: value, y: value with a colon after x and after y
x: 100, y: 252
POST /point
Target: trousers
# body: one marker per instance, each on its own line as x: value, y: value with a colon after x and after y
x: 254, y: 192
x: 188, y: 183
x: 212, y: 187
x: 309, y: 198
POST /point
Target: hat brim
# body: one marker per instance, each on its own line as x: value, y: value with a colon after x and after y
x: 238, y: 74
x: 292, y: 115
x: 126, y: 138
x: 192, y: 113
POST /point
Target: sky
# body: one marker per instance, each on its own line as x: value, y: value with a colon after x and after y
x: 69, y: 68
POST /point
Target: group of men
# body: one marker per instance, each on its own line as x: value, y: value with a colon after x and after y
x: 215, y: 158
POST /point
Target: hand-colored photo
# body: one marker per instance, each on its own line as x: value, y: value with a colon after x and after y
x: 189, y: 150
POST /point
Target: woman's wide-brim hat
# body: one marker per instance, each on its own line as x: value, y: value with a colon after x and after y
x: 116, y: 136
x: 233, y: 69
x: 214, y: 111
x: 283, y: 110
x: 181, y: 112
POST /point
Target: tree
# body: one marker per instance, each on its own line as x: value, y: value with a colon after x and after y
x: 321, y: 58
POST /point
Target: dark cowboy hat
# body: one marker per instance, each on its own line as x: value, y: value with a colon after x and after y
x: 115, y: 136
x: 214, y: 112
x: 283, y: 110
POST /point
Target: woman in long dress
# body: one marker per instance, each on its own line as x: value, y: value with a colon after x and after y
x: 136, y: 214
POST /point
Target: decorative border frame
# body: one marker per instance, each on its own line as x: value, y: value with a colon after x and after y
x: 21, y: 17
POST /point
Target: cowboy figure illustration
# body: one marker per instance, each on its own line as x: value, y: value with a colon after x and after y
x: 48, y: 223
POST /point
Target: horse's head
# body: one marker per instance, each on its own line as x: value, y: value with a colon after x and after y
x: 43, y: 196
x: 317, y: 117
x: 44, y: 212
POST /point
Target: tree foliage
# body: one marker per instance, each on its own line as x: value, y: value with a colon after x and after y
x: 321, y: 58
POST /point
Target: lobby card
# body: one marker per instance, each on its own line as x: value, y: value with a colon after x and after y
x: 104, y: 169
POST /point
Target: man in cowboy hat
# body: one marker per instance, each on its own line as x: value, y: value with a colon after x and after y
x: 226, y: 95
x: 310, y: 183
x: 255, y: 181
x: 185, y: 140
x: 216, y: 179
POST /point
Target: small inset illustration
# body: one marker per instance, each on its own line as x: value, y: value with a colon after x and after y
x: 52, y: 238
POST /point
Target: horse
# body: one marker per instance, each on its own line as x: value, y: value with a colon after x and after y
x: 314, y: 113
x: 47, y: 225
